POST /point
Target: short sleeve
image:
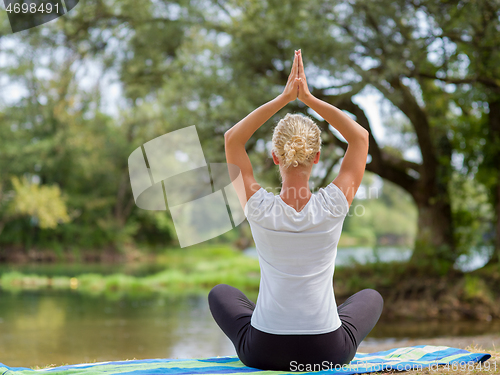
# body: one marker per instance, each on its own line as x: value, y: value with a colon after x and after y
x: 334, y: 200
x: 255, y: 201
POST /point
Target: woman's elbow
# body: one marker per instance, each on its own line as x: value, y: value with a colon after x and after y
x: 230, y: 137
x: 364, y: 136
x: 227, y: 136
x: 363, y: 139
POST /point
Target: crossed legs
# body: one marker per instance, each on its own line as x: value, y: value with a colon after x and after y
x: 232, y: 311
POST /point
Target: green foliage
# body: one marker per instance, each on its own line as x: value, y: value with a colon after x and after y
x: 386, y: 216
x: 472, y: 213
x: 44, y: 203
x: 212, y: 63
x: 194, y: 269
x: 433, y: 260
x: 476, y: 289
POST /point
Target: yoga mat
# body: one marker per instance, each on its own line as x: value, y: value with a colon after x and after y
x: 415, y: 357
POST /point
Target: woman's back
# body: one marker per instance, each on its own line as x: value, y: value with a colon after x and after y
x: 297, y: 252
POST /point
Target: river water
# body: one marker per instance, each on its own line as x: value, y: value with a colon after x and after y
x: 50, y: 327
x: 38, y: 328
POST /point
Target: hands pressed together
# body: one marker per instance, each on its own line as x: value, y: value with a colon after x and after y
x: 296, y: 87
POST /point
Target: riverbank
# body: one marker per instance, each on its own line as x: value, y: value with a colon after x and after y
x: 407, y: 294
x: 18, y: 255
x: 411, y: 294
x: 194, y: 271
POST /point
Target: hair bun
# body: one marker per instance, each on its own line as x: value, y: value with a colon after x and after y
x: 296, y: 140
x: 295, y: 148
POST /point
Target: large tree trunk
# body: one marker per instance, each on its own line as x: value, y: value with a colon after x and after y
x: 494, y: 132
x: 435, y: 249
x: 434, y: 245
x: 496, y: 254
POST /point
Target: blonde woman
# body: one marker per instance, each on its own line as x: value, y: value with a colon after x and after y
x: 295, y: 322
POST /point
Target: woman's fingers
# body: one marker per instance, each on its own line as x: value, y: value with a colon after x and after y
x: 301, y: 74
x: 295, y: 66
x: 296, y: 63
x: 301, y: 67
x: 293, y: 79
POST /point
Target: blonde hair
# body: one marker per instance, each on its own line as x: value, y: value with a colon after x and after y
x: 296, y: 140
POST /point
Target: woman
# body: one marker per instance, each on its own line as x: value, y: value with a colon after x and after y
x: 295, y: 322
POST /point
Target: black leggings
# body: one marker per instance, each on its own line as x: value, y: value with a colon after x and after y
x: 232, y: 311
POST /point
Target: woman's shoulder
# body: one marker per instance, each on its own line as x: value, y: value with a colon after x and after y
x: 259, y: 199
x: 262, y: 193
x: 333, y: 199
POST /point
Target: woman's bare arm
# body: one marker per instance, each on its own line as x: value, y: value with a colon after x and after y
x: 357, y: 137
x: 350, y: 129
x: 354, y: 163
x: 236, y: 137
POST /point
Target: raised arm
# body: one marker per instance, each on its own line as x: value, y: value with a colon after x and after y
x: 357, y: 137
x: 236, y: 137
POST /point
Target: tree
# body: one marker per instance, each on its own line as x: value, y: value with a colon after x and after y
x: 469, y: 68
x: 42, y: 204
x: 212, y: 62
x: 357, y: 45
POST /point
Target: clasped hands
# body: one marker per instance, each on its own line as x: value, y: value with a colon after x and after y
x: 296, y: 86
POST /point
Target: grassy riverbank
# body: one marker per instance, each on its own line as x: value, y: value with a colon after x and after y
x: 407, y: 293
x: 410, y: 293
x: 184, y: 271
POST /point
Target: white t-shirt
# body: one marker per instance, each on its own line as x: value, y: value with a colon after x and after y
x: 297, y: 252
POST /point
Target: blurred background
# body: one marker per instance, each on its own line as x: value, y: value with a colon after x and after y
x: 85, y: 275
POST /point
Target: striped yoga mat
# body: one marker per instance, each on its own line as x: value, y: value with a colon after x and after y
x: 410, y: 358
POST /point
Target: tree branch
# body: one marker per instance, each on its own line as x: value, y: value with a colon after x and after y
x: 324, y: 180
x: 403, y: 99
x: 460, y: 81
x: 384, y: 164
